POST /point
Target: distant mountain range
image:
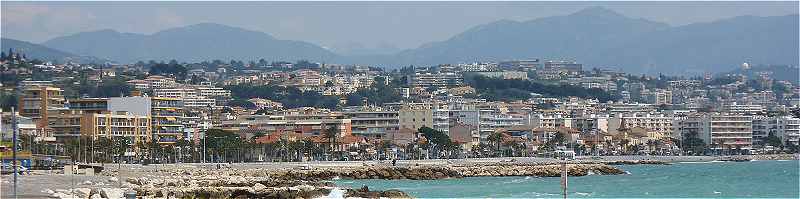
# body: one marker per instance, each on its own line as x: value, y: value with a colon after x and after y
x: 32, y: 50
x: 192, y: 43
x: 595, y: 36
x: 599, y: 37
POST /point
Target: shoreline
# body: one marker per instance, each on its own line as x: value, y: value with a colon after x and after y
x: 318, y: 182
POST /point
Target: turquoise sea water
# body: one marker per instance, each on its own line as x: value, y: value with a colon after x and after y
x: 757, y: 179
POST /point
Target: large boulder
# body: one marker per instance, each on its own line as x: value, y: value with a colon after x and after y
x: 112, y: 193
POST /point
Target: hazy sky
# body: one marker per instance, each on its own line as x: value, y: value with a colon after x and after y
x: 340, y: 25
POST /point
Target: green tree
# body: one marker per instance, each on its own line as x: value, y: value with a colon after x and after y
x: 515, y: 89
x: 219, y: 141
x: 332, y: 133
x: 173, y: 69
x: 773, y: 141
x: 8, y: 100
x: 438, y: 139
x: 496, y: 140
x: 693, y: 144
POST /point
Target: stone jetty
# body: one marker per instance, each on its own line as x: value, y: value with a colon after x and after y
x: 315, y: 182
x: 441, y: 172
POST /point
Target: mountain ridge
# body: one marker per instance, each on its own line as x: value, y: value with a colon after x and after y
x: 36, y: 51
x: 595, y: 36
x: 198, y: 42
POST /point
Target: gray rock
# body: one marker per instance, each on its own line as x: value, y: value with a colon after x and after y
x: 82, y: 192
x: 112, y: 193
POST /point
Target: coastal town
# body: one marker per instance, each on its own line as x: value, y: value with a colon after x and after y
x: 277, y: 111
x: 418, y: 99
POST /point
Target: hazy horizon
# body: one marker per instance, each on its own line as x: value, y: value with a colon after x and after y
x: 344, y: 27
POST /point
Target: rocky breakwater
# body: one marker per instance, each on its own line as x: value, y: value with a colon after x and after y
x: 239, y: 183
x: 450, y: 171
x: 536, y: 170
x: 225, y: 187
x: 771, y: 157
x: 635, y: 162
x: 244, y: 187
x: 371, y: 172
x: 315, y: 182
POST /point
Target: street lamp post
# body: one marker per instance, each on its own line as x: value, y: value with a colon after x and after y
x: 204, y: 145
x: 14, y: 148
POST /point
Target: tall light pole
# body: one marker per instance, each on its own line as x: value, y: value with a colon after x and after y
x: 564, y: 175
x: 204, y: 145
x: 14, y: 148
x: 210, y: 110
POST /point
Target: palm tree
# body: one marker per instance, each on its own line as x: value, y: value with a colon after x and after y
x: 298, y: 148
x: 283, y: 148
x: 650, y: 145
x: 155, y: 149
x: 141, y: 148
x: 496, y: 139
x: 624, y: 143
x: 309, y: 147
x: 183, y: 146
x: 384, y: 147
x: 331, y: 134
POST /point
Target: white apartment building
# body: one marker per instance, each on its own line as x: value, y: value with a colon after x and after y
x: 787, y: 128
x: 153, y: 82
x: 619, y: 107
x: 309, y: 78
x: 478, y: 67
x: 193, y: 97
x: 747, y: 109
x: 658, y: 97
x: 211, y: 92
x: 658, y: 123
x: 436, y: 79
x: 374, y: 123
x: 441, y: 117
x: 592, y: 123
x: 504, y: 74
x: 604, y: 83
x: 550, y: 121
x: 720, y: 132
x: 791, y: 129
x: 492, y: 119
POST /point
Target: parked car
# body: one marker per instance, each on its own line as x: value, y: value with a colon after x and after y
x: 9, y: 169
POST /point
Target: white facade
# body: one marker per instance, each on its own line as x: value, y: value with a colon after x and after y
x: 719, y: 131
x: 654, y: 122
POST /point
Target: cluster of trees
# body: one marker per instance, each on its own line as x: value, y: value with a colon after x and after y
x: 82, y: 149
x: 11, y: 78
x: 239, y: 65
x: 692, y: 144
x: 171, y: 69
x: 7, y: 100
x: 514, y: 89
x: 108, y: 87
x: 11, y: 55
x: 776, y: 142
x: 290, y: 97
x: 439, y: 144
